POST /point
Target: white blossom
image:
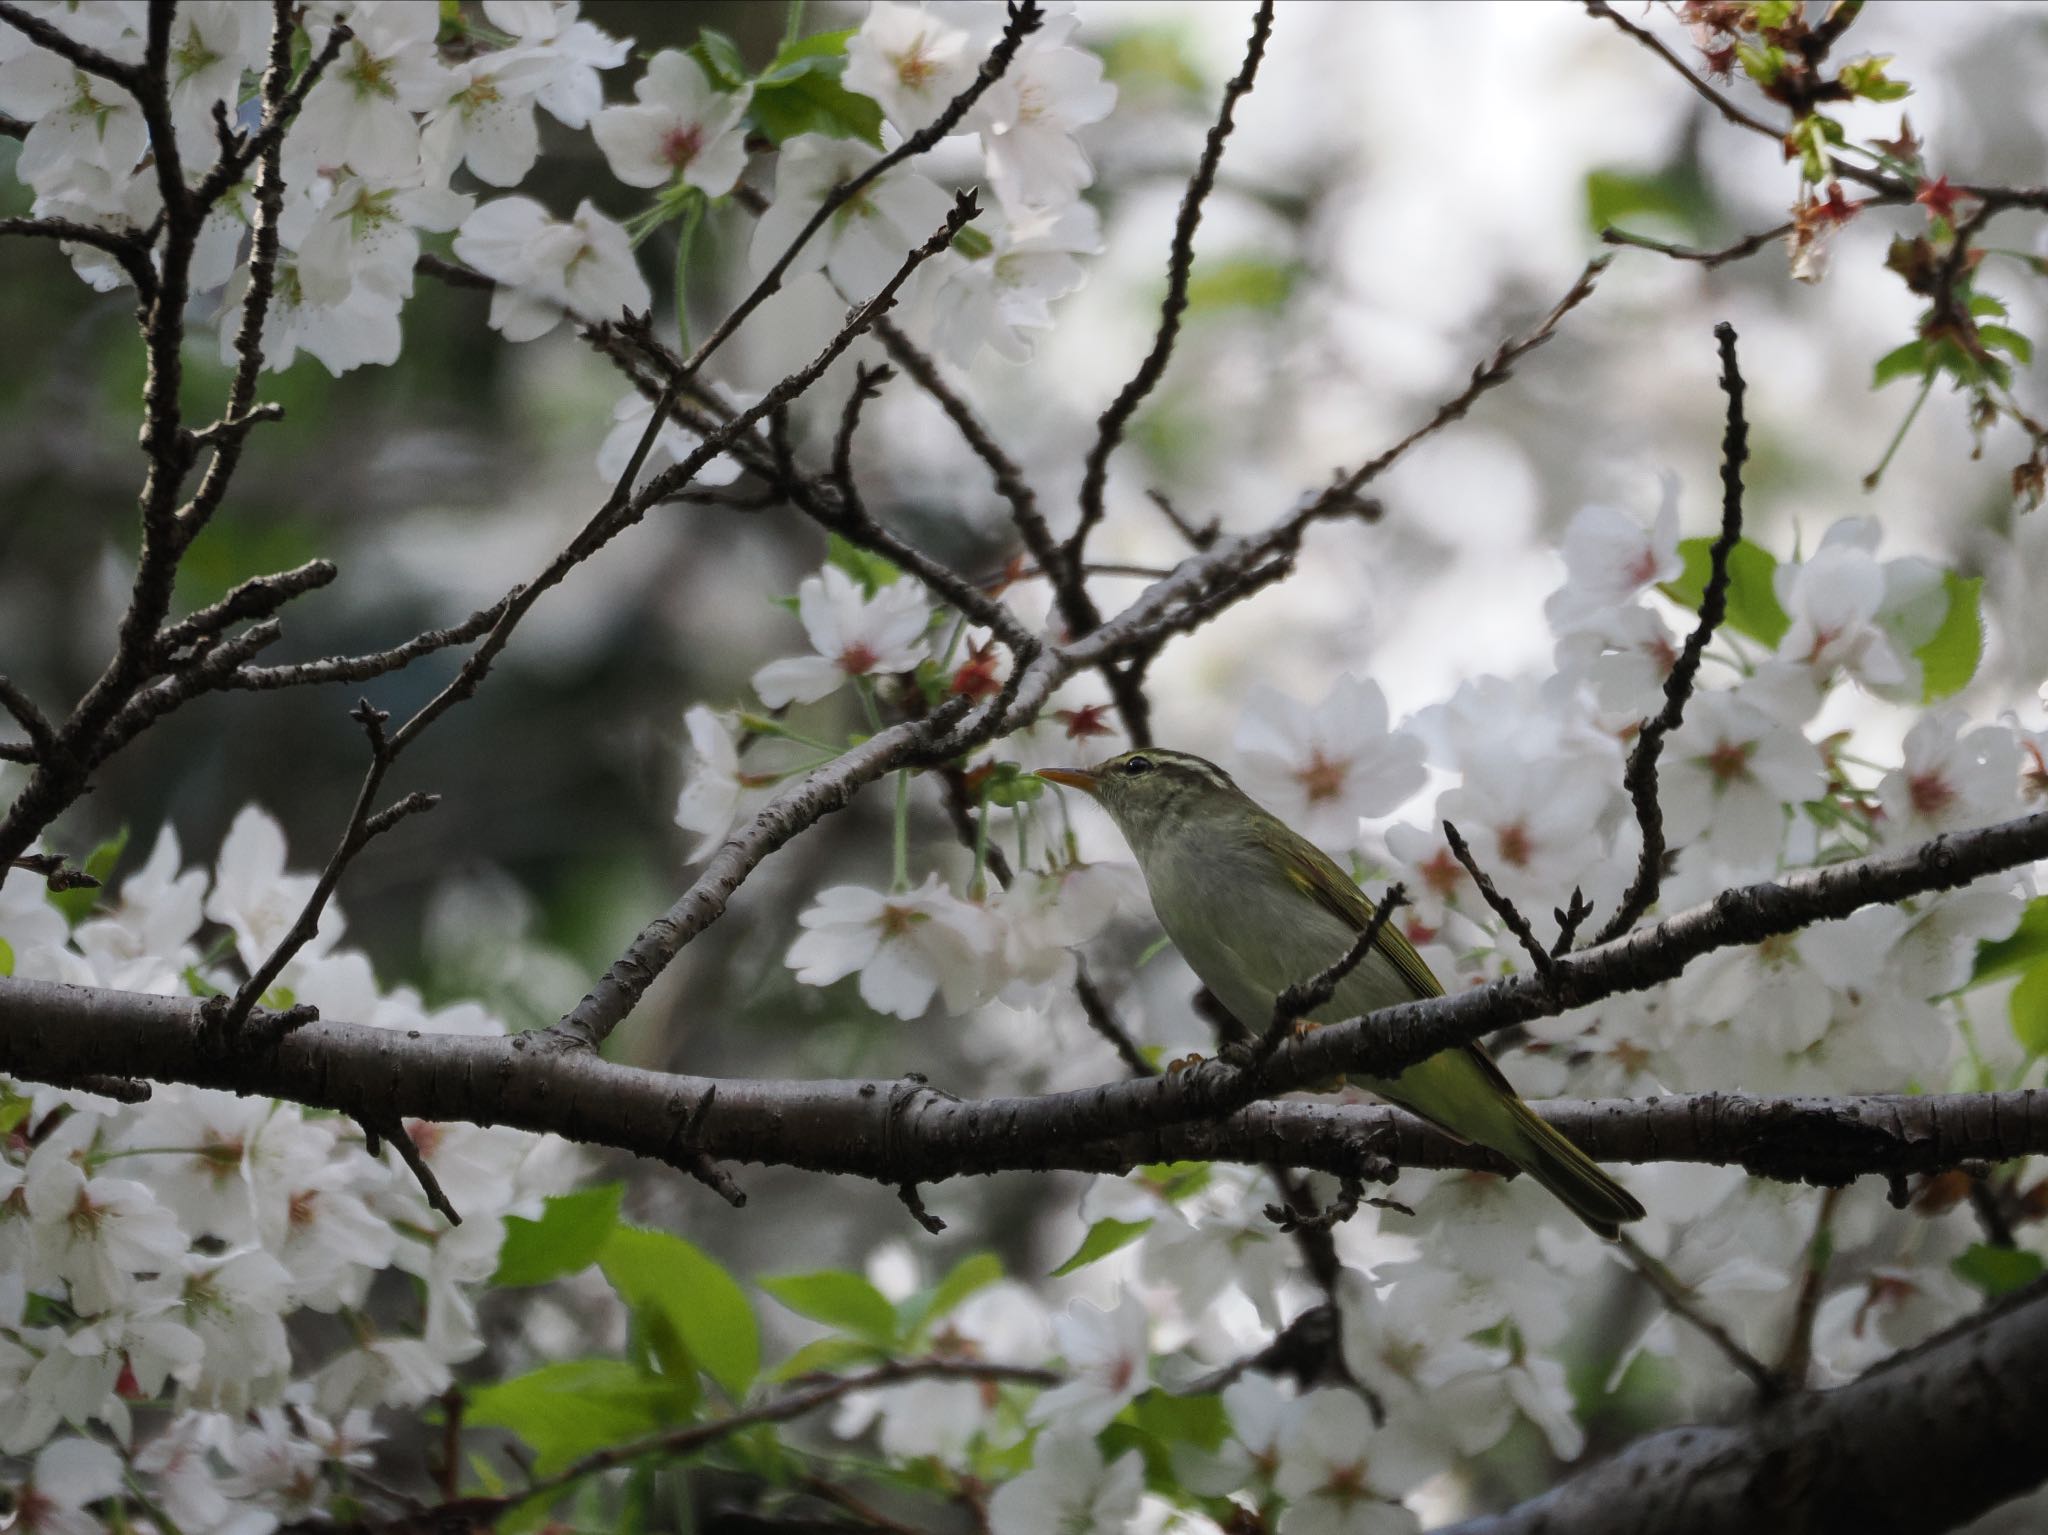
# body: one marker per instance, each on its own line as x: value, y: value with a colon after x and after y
x: 1028, y: 119
x: 682, y: 129
x: 852, y: 634
x: 67, y: 1476
x: 549, y: 268
x: 361, y: 113
x: 573, y: 51
x: 1338, y: 1473
x: 1069, y: 1491
x: 910, y: 60
x: 1728, y: 773
x: 1108, y: 1364
x: 1611, y: 559
x: 906, y: 946
x: 865, y: 240
x: 1321, y: 767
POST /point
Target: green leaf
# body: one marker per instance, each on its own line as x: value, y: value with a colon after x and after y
x: 1615, y: 196
x: 566, y: 1410
x: 2028, y: 1006
x: 971, y: 1273
x: 1240, y: 282
x: 14, y: 1108
x: 972, y: 244
x: 6, y: 958
x: 799, y: 92
x: 870, y: 570
x: 1997, y: 1270
x: 2010, y: 955
x: 828, y: 1356
x: 1753, y: 607
x: 1983, y: 304
x: 838, y: 1299
x: 1175, y: 1181
x: 2007, y: 340
x: 1196, y: 1420
x: 1103, y: 1238
x: 1865, y: 77
x: 1949, y: 660
x: 568, y: 1236
x: 1908, y: 361
x: 720, y: 57
x: 659, y: 1272
x: 77, y: 905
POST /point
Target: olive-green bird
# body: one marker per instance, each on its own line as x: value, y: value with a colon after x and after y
x: 1255, y: 908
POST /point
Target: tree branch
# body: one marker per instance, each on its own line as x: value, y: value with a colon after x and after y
x: 1971, y: 1401
x: 895, y: 1132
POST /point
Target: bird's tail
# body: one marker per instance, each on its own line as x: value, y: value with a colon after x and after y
x: 1464, y: 1091
x: 1542, y: 1151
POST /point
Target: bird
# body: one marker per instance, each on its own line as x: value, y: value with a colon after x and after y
x: 1254, y: 908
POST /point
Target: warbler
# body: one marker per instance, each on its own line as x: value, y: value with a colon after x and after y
x: 1255, y: 908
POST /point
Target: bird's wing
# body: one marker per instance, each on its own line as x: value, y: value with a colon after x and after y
x: 1317, y: 875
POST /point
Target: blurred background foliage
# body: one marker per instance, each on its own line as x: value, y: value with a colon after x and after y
x: 1410, y: 183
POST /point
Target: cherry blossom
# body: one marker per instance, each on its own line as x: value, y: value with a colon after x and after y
x: 853, y: 634
x: 1339, y: 1473
x: 1003, y: 299
x: 361, y: 113
x: 572, y: 50
x: 906, y: 946
x: 253, y: 894
x: 715, y: 792
x: 1610, y: 559
x: 68, y: 1474
x: 97, y: 1234
x: 1321, y: 767
x: 672, y: 444
x: 911, y: 60
x: 1951, y: 778
x: 1028, y: 119
x: 1728, y: 774
x: 548, y: 268
x: 683, y: 130
x: 1108, y: 1364
x: 863, y: 243
x: 1069, y: 1491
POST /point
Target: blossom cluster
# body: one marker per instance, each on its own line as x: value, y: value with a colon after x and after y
x: 1459, y: 1345
x: 422, y: 122
x: 158, y: 1260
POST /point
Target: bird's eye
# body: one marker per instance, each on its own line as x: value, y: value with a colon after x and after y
x: 1136, y: 765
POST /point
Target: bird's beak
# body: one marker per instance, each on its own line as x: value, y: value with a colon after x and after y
x: 1072, y: 778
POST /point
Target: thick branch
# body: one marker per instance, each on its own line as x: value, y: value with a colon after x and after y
x: 901, y: 1131
x: 1971, y: 1402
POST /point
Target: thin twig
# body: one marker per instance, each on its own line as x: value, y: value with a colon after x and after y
x: 1503, y: 908
x: 1793, y: 1363
x: 1640, y: 777
x: 362, y: 668
x: 393, y: 1129
x: 1109, y: 430
x: 1342, y: 492
x: 1678, y: 1300
x: 1025, y: 17
x: 914, y: 1203
x: 1305, y: 996
x: 257, y: 597
x: 1104, y: 1022
x: 42, y: 736
x: 1748, y: 245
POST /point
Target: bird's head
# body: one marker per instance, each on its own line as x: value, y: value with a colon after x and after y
x: 1149, y: 791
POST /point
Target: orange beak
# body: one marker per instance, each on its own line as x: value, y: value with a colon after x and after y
x: 1072, y: 778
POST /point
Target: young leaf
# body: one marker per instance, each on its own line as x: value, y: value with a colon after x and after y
x: 870, y: 570
x: 828, y: 1356
x: 720, y: 58
x: 838, y: 1299
x: 568, y: 1236
x: 2028, y: 1007
x: 2018, y: 952
x: 971, y: 1273
x: 1753, y: 608
x: 659, y: 1272
x: 1949, y: 660
x: 1908, y: 361
x: 1103, y: 1238
x: 799, y: 92
x: 1997, y: 1270
x: 566, y: 1410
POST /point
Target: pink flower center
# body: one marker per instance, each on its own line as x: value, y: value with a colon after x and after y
x: 1930, y: 793
x: 679, y: 145
x: 1322, y: 779
x: 857, y: 660
x: 1644, y: 570
x: 1442, y: 872
x: 1729, y: 760
x: 1515, y: 845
